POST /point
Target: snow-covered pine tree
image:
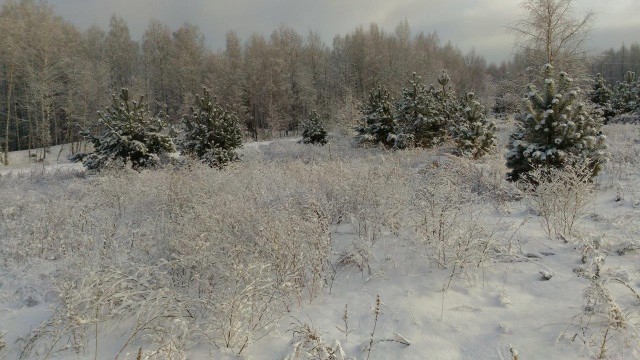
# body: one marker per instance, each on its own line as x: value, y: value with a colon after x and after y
x: 211, y: 133
x: 553, y: 128
x: 601, y: 95
x: 377, y: 123
x: 473, y: 134
x: 313, y: 131
x: 129, y: 134
x: 420, y: 121
x: 626, y: 95
x: 448, y: 103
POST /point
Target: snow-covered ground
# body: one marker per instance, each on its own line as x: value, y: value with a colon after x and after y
x: 494, y: 285
x: 57, y: 158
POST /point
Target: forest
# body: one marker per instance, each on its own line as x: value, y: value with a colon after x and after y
x: 55, y: 77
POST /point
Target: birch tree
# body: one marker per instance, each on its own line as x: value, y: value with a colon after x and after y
x: 550, y: 32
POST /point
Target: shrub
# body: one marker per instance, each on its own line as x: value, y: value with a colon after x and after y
x: 309, y: 344
x: 218, y: 256
x: 560, y: 196
x: 607, y: 324
x: 449, y: 226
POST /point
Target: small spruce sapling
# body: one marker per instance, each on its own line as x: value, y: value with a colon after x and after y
x: 554, y: 129
x: 446, y: 98
x: 601, y: 95
x: 626, y: 95
x: 211, y: 133
x: 313, y: 131
x: 473, y: 134
x: 377, y: 123
x: 129, y: 134
x: 421, y: 120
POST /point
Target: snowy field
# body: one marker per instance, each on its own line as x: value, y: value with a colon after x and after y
x: 334, y: 252
x: 20, y: 162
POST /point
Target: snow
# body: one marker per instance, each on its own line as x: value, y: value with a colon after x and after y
x: 56, y: 160
x: 521, y: 305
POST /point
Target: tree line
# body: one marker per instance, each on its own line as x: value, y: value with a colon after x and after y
x: 54, y: 77
x: 614, y: 64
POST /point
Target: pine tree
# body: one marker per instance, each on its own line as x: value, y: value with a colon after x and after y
x: 553, y: 130
x: 129, y: 135
x: 601, y: 96
x: 448, y: 103
x: 313, y: 131
x: 419, y: 119
x: 626, y: 96
x: 377, y: 123
x: 211, y: 133
x: 473, y: 134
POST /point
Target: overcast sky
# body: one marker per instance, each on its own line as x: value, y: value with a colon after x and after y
x: 467, y: 23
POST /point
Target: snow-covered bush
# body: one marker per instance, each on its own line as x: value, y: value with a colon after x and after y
x: 347, y: 116
x: 473, y: 134
x: 623, y: 166
x: 221, y: 255
x: 377, y: 122
x: 139, y: 298
x: 233, y: 264
x: 450, y: 230
x: 608, y: 323
x: 313, y: 131
x: 554, y: 128
x: 128, y: 134
x: 308, y: 344
x: 560, y: 196
x: 211, y: 133
x: 507, y: 98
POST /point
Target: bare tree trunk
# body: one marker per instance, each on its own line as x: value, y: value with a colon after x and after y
x: 8, y: 122
x: 17, y: 124
x: 31, y: 132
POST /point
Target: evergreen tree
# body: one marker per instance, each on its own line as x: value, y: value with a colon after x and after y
x: 626, y: 97
x: 211, y: 133
x: 313, y: 131
x: 420, y: 121
x: 129, y: 135
x: 377, y: 123
x: 553, y: 130
x: 473, y: 134
x: 448, y: 103
x: 601, y: 96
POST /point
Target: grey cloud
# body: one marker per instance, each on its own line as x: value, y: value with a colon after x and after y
x: 470, y: 24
